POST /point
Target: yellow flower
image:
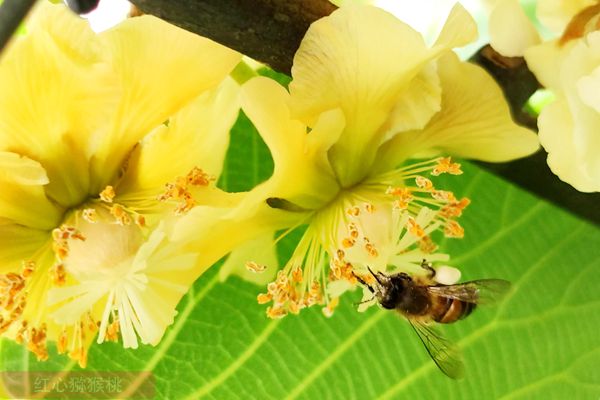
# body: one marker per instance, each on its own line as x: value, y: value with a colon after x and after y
x: 92, y: 127
x: 367, y: 94
x: 569, y: 126
x: 567, y: 66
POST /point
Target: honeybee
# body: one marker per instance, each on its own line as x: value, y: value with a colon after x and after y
x: 424, y: 302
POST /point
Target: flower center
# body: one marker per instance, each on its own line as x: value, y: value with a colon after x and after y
x: 384, y: 223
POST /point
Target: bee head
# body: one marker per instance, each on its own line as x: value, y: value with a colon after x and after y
x: 390, y: 288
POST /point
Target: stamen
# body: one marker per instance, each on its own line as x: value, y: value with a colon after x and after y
x: 445, y: 165
x: 58, y: 274
x: 414, y: 228
x: 453, y: 230
x: 61, y: 237
x: 90, y: 215
x: 424, y: 183
x: 328, y: 310
x: 255, y: 267
x: 179, y: 190
x: 108, y: 194
x: 120, y: 214
x: 264, y: 298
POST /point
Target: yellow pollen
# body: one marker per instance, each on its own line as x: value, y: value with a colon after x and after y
x: 445, y: 165
x: 353, y: 211
x: 443, y: 195
x: 255, y: 267
x: 427, y: 245
x: 179, y: 190
x: 453, y: 229
x: 264, y: 298
x: 112, y: 331
x: 120, y: 214
x: 454, y: 209
x: 58, y: 274
x: 423, y: 183
x: 369, y: 207
x: 353, y: 230
x: 348, y: 242
x: 108, y: 194
x: 328, y: 310
x: 20, y: 338
x: 297, y: 275
x: 37, y: 342
x: 90, y: 215
x: 27, y: 268
x: 61, y: 237
x: 61, y: 343
x: 140, y: 221
x: 276, y: 312
x: 414, y: 228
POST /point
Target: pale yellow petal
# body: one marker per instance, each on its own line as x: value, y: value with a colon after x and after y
x: 197, y: 136
x: 459, y: 30
x: 589, y: 89
x: 214, y: 232
x: 72, y: 34
x: 301, y: 173
x: 418, y: 103
x: 49, y: 105
x: 556, y: 14
x: 22, y: 196
x: 19, y: 243
x: 545, y: 62
x: 344, y: 63
x: 161, y: 69
x: 511, y: 32
x: 474, y: 122
x: 262, y: 251
x: 557, y: 135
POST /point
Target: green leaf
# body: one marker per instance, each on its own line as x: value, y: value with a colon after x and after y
x: 542, y: 342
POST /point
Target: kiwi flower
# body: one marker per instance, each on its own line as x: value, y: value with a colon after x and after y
x: 569, y: 126
x: 342, y: 142
x: 567, y: 65
x: 101, y: 138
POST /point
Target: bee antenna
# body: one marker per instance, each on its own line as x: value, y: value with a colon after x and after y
x: 374, y: 275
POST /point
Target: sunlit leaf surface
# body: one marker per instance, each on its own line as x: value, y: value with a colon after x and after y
x: 542, y: 342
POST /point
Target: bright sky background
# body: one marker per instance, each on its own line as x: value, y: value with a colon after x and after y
x: 108, y: 14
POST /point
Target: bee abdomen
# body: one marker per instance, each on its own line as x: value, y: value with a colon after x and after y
x: 451, y: 310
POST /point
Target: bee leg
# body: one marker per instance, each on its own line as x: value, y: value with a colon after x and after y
x: 361, y: 280
x: 427, y: 265
x: 365, y: 301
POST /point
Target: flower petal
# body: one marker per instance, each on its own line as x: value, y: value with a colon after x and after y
x: 161, y: 69
x: 589, y: 89
x: 22, y: 198
x: 474, y: 122
x: 50, y: 120
x: 261, y: 250
x: 556, y: 14
x: 557, y: 131
x: 302, y: 173
x: 545, y: 60
x: 337, y: 65
x: 511, y: 32
x: 18, y: 244
x: 202, y: 128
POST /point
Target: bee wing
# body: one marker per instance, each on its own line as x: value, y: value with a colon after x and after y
x: 443, y: 352
x: 483, y: 291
